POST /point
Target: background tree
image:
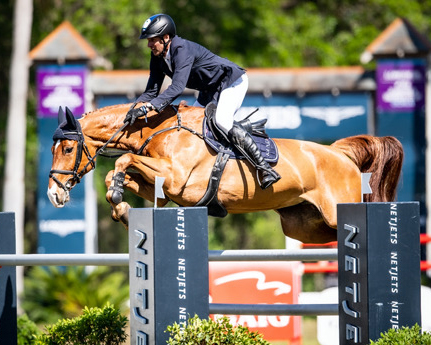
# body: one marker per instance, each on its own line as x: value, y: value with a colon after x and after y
x: 14, y: 193
x: 260, y: 33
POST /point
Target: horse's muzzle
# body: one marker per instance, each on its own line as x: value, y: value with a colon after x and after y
x: 58, y: 196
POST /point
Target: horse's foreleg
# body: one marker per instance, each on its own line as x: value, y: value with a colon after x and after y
x: 136, y: 184
x: 119, y: 210
x: 118, y: 180
x: 304, y: 222
x: 147, y: 167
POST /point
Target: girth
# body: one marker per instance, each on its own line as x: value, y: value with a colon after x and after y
x: 210, y: 199
x: 220, y: 144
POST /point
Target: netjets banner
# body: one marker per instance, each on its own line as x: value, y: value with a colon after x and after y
x: 318, y: 116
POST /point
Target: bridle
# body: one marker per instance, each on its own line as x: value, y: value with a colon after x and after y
x: 76, y: 176
x: 82, y: 147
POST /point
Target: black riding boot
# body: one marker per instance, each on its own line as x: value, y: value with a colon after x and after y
x: 246, y: 145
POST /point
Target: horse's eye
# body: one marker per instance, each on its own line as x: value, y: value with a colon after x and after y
x: 68, y: 150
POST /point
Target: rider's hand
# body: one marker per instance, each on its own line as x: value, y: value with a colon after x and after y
x: 149, y: 106
x: 133, y: 114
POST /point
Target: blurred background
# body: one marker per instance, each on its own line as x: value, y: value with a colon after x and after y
x: 314, y: 73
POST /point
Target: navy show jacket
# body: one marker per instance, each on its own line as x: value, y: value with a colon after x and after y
x: 193, y: 66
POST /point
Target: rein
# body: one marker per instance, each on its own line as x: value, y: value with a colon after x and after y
x: 82, y: 147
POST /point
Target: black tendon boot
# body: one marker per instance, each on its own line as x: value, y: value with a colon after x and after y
x: 247, y: 146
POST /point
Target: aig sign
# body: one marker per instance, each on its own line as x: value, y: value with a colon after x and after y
x: 269, y: 282
x: 379, y: 269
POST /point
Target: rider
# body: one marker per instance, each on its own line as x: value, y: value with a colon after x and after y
x: 218, y: 80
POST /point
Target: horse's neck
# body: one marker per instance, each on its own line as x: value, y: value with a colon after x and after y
x: 104, y: 124
x: 100, y: 126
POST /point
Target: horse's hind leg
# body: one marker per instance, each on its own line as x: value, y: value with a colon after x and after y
x: 304, y: 222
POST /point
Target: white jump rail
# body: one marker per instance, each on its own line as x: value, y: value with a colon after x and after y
x: 214, y: 255
x: 123, y: 259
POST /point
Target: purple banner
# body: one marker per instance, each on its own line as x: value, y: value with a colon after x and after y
x: 400, y: 85
x: 60, y: 86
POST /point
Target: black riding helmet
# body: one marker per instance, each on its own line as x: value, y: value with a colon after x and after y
x: 157, y: 26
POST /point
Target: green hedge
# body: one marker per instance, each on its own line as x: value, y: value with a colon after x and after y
x: 404, y: 336
x: 95, y: 326
x: 208, y: 332
x: 27, y: 330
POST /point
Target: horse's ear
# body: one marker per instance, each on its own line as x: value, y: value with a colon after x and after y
x: 70, y: 119
x: 61, y: 116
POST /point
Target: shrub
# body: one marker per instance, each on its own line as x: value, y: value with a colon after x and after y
x: 95, y: 326
x: 27, y: 330
x: 208, y: 332
x: 404, y: 336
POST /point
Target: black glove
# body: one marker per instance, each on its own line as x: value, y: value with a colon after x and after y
x: 133, y: 114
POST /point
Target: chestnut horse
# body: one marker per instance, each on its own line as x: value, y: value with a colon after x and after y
x: 315, y: 177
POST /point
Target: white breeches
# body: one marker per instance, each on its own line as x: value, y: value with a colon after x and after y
x: 229, y: 102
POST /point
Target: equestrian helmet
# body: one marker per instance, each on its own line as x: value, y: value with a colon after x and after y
x: 158, y: 25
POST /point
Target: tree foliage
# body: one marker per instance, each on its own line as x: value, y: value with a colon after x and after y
x: 111, y: 26
x: 57, y: 292
x: 259, y: 33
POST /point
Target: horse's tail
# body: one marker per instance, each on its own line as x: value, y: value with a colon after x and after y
x: 381, y: 156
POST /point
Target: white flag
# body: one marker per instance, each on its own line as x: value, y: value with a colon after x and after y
x: 365, y: 184
x: 158, y: 189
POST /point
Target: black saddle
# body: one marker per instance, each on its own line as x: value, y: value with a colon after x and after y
x: 218, y: 141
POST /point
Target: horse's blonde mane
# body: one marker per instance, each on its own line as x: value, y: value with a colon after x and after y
x: 107, y: 108
x: 181, y: 105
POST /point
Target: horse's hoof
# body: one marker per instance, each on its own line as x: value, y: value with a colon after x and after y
x: 125, y: 220
x: 116, y: 197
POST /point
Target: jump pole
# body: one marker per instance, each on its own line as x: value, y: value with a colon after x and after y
x: 8, y: 297
x: 379, y: 269
x: 168, y: 270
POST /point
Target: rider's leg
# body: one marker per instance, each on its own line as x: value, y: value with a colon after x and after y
x: 244, y: 141
x: 229, y: 102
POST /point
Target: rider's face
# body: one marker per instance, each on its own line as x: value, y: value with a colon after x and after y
x: 156, y: 44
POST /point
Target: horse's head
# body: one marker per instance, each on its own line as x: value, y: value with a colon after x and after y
x: 69, y: 163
